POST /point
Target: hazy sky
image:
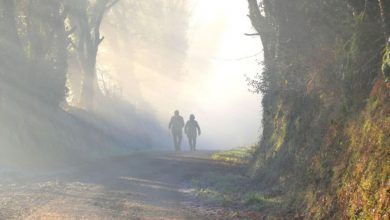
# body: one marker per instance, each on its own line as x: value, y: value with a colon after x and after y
x: 213, y: 84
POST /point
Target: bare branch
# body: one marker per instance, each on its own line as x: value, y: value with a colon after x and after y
x: 111, y: 4
x: 72, y: 43
x: 71, y: 31
x: 254, y: 34
x: 100, y: 41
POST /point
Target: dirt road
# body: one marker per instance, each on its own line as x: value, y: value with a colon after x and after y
x: 149, y: 185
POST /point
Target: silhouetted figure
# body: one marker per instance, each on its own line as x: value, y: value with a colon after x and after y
x: 192, y: 130
x: 176, y: 126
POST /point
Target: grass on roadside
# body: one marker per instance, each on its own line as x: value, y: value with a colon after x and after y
x: 233, y: 190
x: 231, y: 187
x: 240, y: 155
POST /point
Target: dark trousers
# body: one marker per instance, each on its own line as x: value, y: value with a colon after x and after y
x: 177, y: 136
x: 192, y: 142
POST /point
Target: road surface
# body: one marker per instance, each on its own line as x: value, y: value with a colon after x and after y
x: 148, y: 185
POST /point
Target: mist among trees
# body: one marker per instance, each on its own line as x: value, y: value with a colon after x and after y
x: 77, y: 131
x: 53, y: 85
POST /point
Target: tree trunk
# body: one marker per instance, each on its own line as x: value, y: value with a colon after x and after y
x: 88, y: 86
x: 89, y: 41
x: 258, y: 22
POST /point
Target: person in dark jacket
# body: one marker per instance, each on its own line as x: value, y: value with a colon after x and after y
x: 192, y: 130
x: 176, y: 126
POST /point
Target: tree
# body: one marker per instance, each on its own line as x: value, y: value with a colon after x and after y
x: 33, y: 43
x: 322, y: 62
x: 85, y: 19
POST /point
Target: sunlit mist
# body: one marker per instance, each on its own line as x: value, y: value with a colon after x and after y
x: 210, y: 83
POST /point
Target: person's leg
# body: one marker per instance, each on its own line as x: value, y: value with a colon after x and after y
x: 180, y: 137
x: 194, y: 143
x: 175, y: 140
x: 189, y: 140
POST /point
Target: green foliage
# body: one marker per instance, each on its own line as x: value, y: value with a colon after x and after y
x: 386, y: 63
x: 279, y: 133
x: 261, y: 202
x: 365, y: 181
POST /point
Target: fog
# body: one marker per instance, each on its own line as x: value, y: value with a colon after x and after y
x: 209, y: 74
x: 112, y: 91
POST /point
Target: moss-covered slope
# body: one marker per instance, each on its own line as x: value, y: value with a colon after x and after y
x: 326, y: 138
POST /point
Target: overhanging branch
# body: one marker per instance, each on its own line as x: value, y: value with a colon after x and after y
x: 253, y: 34
x: 111, y: 4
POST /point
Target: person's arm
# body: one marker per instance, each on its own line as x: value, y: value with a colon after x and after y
x: 197, y: 126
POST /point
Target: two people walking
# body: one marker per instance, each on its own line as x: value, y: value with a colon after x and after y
x: 191, y: 129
